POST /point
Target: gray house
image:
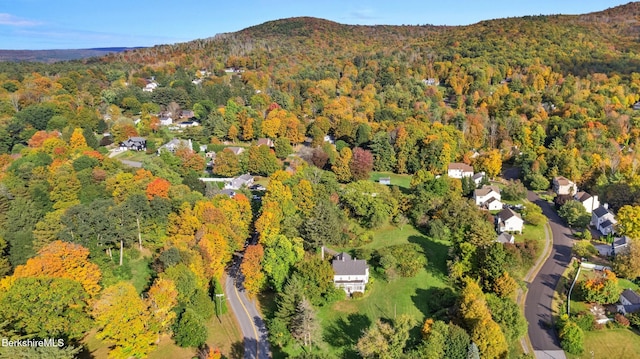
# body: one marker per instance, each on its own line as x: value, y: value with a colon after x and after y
x: 629, y: 302
x: 134, y: 144
x: 350, y: 274
x: 237, y: 183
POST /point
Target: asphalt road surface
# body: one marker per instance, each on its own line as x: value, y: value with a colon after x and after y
x: 254, y: 330
x: 538, y: 312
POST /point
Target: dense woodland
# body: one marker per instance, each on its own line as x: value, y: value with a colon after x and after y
x: 552, y: 95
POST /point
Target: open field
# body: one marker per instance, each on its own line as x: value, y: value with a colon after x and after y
x: 396, y: 179
x: 343, y: 322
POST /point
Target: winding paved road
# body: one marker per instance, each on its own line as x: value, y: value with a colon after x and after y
x: 254, y: 330
x: 538, y: 311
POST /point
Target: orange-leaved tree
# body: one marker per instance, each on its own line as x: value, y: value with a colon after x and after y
x: 251, y: 268
x: 61, y: 260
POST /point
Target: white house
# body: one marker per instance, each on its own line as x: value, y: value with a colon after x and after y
x: 385, y: 180
x: 185, y: 124
x: 629, y: 302
x: 493, y: 204
x: 478, y: 178
x: 484, y: 194
x: 350, y: 274
x: 588, y: 201
x: 238, y: 182
x: 603, y: 220
x: 150, y: 86
x: 166, y: 121
x: 459, y: 170
x: 563, y: 186
x: 620, y: 245
x: 134, y: 144
x: 175, y: 144
x: 509, y: 221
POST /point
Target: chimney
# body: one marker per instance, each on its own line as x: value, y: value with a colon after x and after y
x: 606, y: 206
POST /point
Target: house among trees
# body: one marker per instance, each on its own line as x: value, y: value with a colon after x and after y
x: 185, y: 124
x: 237, y: 183
x: 505, y: 237
x: 187, y: 114
x: 484, y: 194
x: 629, y: 302
x: 385, y: 180
x: 459, y: 170
x: 265, y: 142
x: 563, y: 186
x: 478, y: 178
x: 236, y: 150
x: 350, y: 274
x: 589, y: 202
x: 175, y: 144
x: 509, y: 221
x: 134, y: 144
x: 603, y: 220
x: 620, y: 245
x: 166, y: 120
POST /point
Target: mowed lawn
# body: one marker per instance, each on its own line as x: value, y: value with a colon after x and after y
x: 610, y: 343
x: 343, y: 322
x: 396, y: 179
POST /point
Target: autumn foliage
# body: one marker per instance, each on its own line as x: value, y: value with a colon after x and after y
x: 61, y: 260
x: 159, y: 187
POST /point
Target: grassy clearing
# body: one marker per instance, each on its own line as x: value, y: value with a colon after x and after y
x: 396, y: 179
x: 610, y: 343
x: 141, y: 273
x: 343, y: 322
x: 139, y: 156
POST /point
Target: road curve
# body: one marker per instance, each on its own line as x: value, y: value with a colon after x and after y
x: 538, y: 311
x: 254, y: 330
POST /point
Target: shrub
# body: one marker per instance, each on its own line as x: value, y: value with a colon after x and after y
x: 514, y: 191
x: 357, y: 295
x: 634, y: 319
x: 622, y: 320
x: 586, y: 321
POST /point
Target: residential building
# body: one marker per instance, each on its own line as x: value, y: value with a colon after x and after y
x: 385, y: 180
x: 484, y: 194
x: 588, y: 201
x: 629, y: 302
x: 185, y: 124
x: 134, y: 144
x: 478, y: 178
x: 620, y: 245
x: 265, y: 142
x: 166, y: 121
x: 236, y: 150
x: 563, y: 186
x: 352, y: 275
x: 493, y: 204
x: 603, y: 220
x: 509, y: 221
x: 505, y: 237
x: 175, y: 144
x: 245, y: 180
x: 459, y: 170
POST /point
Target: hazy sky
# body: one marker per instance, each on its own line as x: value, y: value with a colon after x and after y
x: 65, y: 24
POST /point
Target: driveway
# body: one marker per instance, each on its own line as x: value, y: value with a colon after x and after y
x: 254, y: 330
x: 538, y: 312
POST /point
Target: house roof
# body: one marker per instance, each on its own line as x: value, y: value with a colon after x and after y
x: 344, y: 265
x: 460, y: 166
x: 485, y: 190
x: 265, y: 142
x: 236, y: 150
x: 562, y: 181
x: 507, y: 214
x: 631, y: 296
x: 505, y: 237
x: 621, y: 241
x: 601, y: 211
x: 177, y: 143
x: 582, y: 196
x: 478, y: 175
x: 137, y: 139
x: 606, y: 224
x: 491, y: 200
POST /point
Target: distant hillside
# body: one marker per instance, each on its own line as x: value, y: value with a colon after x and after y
x: 50, y: 56
x: 597, y: 42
